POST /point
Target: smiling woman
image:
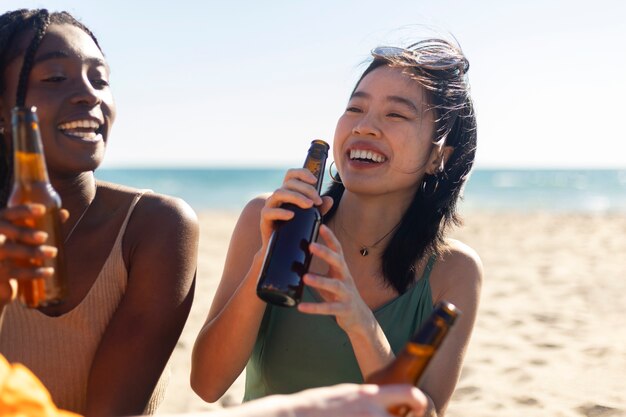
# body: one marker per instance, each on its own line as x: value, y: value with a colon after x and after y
x: 104, y: 349
x: 403, y: 148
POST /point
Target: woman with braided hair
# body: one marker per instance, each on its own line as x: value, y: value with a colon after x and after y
x: 130, y: 254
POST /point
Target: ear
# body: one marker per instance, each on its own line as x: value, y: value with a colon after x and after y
x: 438, y: 158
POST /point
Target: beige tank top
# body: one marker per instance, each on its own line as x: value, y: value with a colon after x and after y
x: 60, y: 350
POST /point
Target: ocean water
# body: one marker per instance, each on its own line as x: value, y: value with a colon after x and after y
x: 565, y: 191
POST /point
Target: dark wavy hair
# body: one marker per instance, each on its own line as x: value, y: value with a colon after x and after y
x: 12, y: 25
x: 440, y: 67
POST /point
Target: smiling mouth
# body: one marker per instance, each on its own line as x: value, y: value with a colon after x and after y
x: 366, y: 156
x: 83, y: 129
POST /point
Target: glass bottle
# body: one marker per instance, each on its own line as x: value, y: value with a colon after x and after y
x: 287, y: 258
x: 32, y: 185
x: 411, y: 362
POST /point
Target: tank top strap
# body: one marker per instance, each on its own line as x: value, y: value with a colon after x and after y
x: 429, y: 268
x: 129, y: 212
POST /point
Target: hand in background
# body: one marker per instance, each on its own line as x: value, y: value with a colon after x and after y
x: 345, y: 400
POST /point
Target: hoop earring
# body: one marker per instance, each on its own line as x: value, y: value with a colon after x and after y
x: 430, y: 185
x: 334, y: 178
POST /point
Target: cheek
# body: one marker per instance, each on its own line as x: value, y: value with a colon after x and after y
x: 112, y: 109
x: 342, y: 131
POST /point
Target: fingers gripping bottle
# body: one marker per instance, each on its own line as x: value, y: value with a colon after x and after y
x: 409, y: 365
x: 32, y: 185
x: 287, y: 258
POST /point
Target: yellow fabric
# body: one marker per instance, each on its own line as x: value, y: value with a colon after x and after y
x: 23, y: 395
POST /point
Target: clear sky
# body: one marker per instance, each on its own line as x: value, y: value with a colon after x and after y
x: 250, y: 83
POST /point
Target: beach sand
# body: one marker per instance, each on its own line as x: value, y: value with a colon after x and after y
x: 550, y: 339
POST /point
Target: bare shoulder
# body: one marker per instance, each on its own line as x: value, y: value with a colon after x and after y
x: 165, y: 209
x: 150, y: 207
x: 251, y: 216
x: 155, y: 216
x: 253, y: 207
x: 459, y: 255
x: 459, y: 268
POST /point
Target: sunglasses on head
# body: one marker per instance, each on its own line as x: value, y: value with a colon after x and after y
x: 429, y: 56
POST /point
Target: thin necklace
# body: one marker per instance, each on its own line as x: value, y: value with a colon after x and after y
x: 80, y: 217
x: 364, y: 250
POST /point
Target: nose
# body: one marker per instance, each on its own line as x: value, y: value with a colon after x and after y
x: 366, y: 126
x: 85, y: 93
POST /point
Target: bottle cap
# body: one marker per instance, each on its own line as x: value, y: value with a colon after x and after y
x: 320, y: 146
x: 447, y: 311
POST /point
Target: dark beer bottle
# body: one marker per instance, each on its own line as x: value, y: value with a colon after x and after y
x: 287, y: 258
x: 32, y: 185
x: 409, y: 365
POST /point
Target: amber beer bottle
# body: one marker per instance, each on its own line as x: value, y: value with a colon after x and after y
x: 32, y: 185
x: 287, y: 258
x: 411, y: 362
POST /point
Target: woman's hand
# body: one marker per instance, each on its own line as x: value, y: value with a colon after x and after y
x: 298, y: 188
x: 342, y: 299
x: 347, y: 400
x: 363, y: 400
x: 20, y: 246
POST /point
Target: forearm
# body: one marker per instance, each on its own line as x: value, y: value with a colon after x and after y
x: 121, y: 381
x: 225, y: 342
x: 371, y: 347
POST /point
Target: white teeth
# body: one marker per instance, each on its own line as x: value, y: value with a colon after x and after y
x: 84, y: 124
x: 368, y: 155
x: 85, y: 135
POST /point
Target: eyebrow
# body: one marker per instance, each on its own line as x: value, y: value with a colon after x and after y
x: 395, y: 99
x: 64, y: 55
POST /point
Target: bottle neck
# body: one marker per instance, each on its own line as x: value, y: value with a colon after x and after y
x: 28, y: 158
x: 316, y: 163
x: 29, y: 167
x: 431, y: 333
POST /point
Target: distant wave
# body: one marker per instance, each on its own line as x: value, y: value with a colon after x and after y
x: 591, y: 191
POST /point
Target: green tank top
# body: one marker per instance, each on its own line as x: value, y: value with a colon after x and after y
x: 295, y: 351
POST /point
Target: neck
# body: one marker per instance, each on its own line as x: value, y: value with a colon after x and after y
x: 76, y: 192
x: 367, y: 219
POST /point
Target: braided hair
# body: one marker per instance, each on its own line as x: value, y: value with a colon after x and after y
x: 440, y: 68
x: 12, y: 25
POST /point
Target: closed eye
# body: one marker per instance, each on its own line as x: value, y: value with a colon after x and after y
x: 353, y: 109
x: 397, y: 115
x: 54, y: 79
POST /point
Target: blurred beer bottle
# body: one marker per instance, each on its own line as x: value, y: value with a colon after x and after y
x: 32, y: 185
x: 409, y: 365
x: 287, y: 258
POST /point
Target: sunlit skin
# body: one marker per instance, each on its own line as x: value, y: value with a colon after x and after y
x: 388, y: 114
x: 68, y: 83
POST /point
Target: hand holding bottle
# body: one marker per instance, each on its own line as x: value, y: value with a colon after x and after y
x: 287, y: 255
x: 19, y: 245
x: 298, y: 188
x: 342, y: 298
